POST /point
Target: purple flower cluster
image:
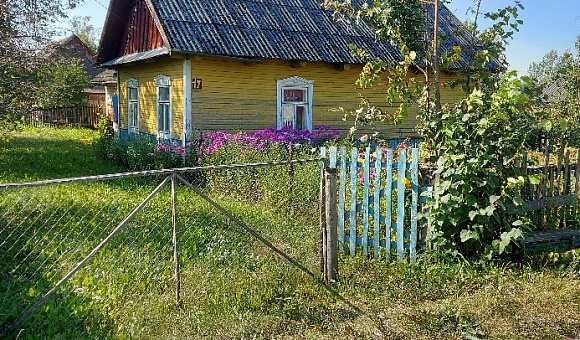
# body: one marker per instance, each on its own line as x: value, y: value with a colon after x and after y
x: 261, y: 140
x: 288, y: 135
x: 173, y: 149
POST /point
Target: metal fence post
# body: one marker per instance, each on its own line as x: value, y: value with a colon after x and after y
x: 175, y: 239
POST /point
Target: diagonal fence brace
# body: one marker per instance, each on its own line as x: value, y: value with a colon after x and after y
x: 81, y: 264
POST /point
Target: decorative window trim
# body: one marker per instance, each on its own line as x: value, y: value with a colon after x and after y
x: 132, y: 127
x: 132, y: 82
x: 294, y: 83
x: 162, y: 81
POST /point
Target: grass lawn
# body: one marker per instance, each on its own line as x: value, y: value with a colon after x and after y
x: 232, y: 287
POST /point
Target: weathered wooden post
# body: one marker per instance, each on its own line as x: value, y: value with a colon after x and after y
x: 331, y: 260
x: 322, y: 241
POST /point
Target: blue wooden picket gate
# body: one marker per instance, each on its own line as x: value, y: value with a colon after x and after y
x: 373, y: 200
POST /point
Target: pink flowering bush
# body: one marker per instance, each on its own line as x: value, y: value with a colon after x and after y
x: 143, y: 153
x: 262, y: 145
x: 287, y: 186
x: 146, y: 154
x: 173, y: 155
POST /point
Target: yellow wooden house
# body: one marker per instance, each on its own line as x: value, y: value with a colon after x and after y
x: 209, y: 65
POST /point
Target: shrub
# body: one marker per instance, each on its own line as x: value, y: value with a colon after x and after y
x: 277, y: 186
x: 479, y: 144
x: 104, y: 143
x: 289, y: 187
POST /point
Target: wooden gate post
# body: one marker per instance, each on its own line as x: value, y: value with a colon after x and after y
x: 331, y: 260
x: 322, y: 204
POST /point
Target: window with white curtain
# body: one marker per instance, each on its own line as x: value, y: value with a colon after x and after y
x: 294, y: 107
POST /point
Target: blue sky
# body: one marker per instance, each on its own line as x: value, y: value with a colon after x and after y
x: 548, y: 25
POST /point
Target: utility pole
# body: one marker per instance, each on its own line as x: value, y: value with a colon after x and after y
x: 436, y: 59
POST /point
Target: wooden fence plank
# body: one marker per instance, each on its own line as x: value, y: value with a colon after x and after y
x: 414, y: 203
x: 365, y: 207
x: 544, y: 186
x: 401, y: 204
x: 353, y: 180
x: 322, y: 227
x: 566, y: 173
x: 389, y: 203
x: 341, y: 197
x: 558, y: 173
x: 377, y: 202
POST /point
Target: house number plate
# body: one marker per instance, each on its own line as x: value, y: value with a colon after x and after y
x: 196, y: 84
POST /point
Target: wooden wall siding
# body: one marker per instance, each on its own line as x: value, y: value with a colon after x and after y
x: 141, y: 33
x: 145, y: 73
x: 236, y: 96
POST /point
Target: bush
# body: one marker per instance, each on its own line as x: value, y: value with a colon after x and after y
x: 480, y: 142
x: 289, y: 186
x: 275, y: 185
x: 105, y: 141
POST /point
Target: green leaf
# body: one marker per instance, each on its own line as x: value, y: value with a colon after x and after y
x: 489, y: 210
x: 535, y: 179
x: 472, y: 215
x: 508, y: 237
x: 467, y: 235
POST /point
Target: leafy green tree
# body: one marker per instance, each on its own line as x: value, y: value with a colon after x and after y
x: 25, y: 30
x: 88, y: 34
x: 544, y: 70
x: 61, y: 83
x: 558, y: 108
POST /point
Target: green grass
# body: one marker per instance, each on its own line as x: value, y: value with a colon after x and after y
x: 44, y: 153
x: 232, y: 287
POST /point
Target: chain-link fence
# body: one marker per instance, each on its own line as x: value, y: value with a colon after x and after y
x: 95, y: 257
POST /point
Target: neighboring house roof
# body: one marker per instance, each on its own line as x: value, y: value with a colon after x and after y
x: 108, y: 76
x: 277, y: 29
x: 72, y: 46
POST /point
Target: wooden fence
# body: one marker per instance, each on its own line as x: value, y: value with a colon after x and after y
x: 78, y: 116
x: 379, y: 197
x: 556, y: 195
x: 378, y: 200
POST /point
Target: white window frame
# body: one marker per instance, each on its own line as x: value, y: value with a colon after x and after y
x: 132, y: 107
x: 163, y: 81
x: 294, y: 83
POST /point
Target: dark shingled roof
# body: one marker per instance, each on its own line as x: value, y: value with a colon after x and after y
x: 283, y: 29
x: 277, y: 29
